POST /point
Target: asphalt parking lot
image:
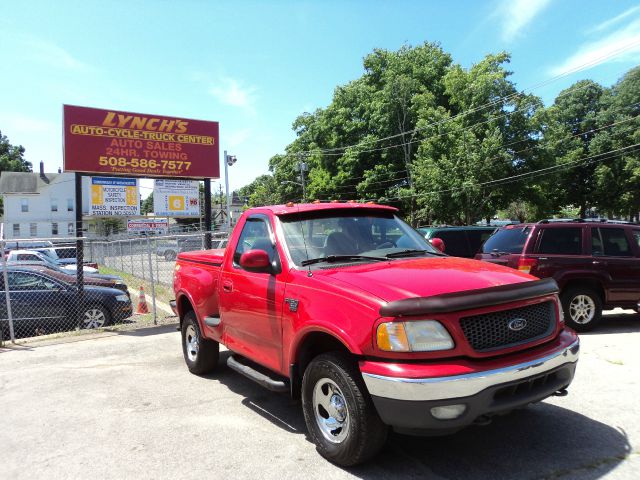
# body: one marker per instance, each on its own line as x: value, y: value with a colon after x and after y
x: 123, y: 405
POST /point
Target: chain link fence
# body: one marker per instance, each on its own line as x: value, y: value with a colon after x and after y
x: 128, y: 283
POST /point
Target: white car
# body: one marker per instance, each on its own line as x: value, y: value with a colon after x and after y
x: 17, y: 257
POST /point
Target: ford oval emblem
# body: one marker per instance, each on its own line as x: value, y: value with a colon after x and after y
x: 517, y: 324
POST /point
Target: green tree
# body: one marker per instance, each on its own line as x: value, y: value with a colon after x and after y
x: 572, y: 127
x: 262, y: 191
x: 146, y: 207
x: 617, y: 179
x: 11, y: 160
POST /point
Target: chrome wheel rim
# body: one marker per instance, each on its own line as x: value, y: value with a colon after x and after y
x: 94, y: 318
x: 330, y: 410
x: 192, y: 343
x: 582, y: 309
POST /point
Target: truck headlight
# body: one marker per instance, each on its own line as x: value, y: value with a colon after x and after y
x: 122, y: 298
x: 418, y: 336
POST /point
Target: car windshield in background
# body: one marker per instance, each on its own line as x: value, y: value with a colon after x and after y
x: 351, y: 235
x: 507, y: 240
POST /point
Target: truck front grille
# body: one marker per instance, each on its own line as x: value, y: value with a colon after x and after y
x: 495, y: 330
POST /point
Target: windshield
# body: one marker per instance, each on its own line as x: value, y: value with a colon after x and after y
x: 507, y: 240
x: 369, y: 234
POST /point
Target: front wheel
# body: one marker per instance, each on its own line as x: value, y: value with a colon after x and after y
x: 200, y: 354
x: 582, y: 308
x: 338, y: 411
x: 96, y: 316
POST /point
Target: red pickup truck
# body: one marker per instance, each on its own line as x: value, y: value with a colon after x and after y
x: 348, y: 308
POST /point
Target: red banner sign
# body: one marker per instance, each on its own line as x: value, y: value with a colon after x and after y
x: 134, y: 144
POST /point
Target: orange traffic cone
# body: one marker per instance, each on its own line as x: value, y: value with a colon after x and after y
x: 142, y: 303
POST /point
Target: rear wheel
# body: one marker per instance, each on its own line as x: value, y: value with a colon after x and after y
x: 200, y: 354
x: 582, y: 308
x: 338, y: 411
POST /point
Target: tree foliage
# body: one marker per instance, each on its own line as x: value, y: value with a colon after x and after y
x: 11, y: 160
x: 451, y: 144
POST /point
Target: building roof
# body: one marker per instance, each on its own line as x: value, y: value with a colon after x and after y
x: 24, y: 182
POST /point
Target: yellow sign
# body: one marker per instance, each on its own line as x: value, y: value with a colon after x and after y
x: 176, y: 203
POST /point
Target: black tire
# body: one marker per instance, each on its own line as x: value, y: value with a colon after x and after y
x: 95, y: 316
x: 204, y: 358
x: 594, y: 301
x: 365, y: 434
x: 169, y: 255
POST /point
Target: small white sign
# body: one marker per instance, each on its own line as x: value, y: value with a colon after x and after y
x: 112, y: 196
x: 176, y: 198
x: 156, y: 225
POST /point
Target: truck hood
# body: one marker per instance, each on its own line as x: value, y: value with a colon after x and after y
x: 422, y: 277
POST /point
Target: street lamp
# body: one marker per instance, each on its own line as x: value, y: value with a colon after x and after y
x: 229, y: 160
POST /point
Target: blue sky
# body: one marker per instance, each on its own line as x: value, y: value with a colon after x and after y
x: 255, y: 66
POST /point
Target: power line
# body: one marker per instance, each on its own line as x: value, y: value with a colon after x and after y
x: 519, y: 177
x: 513, y: 154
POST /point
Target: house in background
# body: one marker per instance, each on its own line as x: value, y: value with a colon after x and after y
x: 41, y: 204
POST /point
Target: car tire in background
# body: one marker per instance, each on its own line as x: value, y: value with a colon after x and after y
x: 340, y: 416
x: 95, y: 316
x: 200, y: 354
x: 582, y: 308
x: 169, y: 255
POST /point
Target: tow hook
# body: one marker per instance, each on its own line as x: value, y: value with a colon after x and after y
x: 561, y: 393
x: 483, y: 420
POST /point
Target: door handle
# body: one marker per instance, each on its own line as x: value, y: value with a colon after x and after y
x: 227, y: 286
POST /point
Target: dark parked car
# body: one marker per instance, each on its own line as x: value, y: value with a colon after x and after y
x: 95, y: 279
x: 41, y: 303
x: 596, y: 264
x: 459, y: 241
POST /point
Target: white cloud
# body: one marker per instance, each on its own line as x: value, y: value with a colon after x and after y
x: 517, y: 14
x: 51, y: 54
x: 230, y: 92
x: 615, y: 20
x: 618, y: 46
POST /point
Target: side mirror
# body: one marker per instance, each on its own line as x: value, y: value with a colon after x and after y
x: 438, y: 243
x: 256, y: 261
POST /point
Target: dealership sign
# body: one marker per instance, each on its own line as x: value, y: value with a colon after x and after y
x: 176, y: 198
x: 111, y: 196
x: 156, y: 225
x: 124, y: 143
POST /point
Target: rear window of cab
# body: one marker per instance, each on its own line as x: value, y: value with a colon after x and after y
x: 507, y: 240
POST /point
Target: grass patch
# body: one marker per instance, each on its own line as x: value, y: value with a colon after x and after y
x: 163, y: 292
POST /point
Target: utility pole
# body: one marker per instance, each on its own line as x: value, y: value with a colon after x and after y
x: 228, y: 161
x: 303, y: 167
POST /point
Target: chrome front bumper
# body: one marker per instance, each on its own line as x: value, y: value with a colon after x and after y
x: 443, y: 388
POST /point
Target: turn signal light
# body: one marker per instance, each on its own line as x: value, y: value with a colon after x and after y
x: 392, y: 337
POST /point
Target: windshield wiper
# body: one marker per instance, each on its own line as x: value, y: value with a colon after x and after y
x: 411, y: 252
x: 338, y: 258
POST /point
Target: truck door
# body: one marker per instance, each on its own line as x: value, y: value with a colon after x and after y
x: 251, y: 303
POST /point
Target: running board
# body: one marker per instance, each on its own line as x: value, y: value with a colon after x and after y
x: 212, y: 321
x: 273, y: 384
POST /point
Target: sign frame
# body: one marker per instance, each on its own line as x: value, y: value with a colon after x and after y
x: 115, y: 142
